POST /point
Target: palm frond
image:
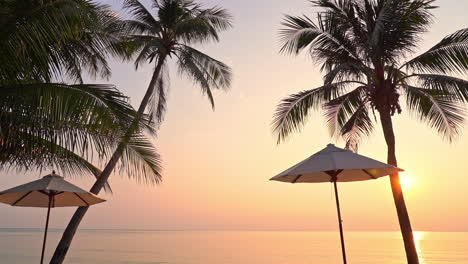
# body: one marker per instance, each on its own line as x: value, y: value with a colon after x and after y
x: 437, y: 108
x: 398, y: 26
x: 346, y: 71
x: 57, y: 40
x: 202, y: 25
x: 358, y: 126
x: 147, y: 48
x: 28, y: 152
x: 140, y: 160
x: 158, y: 101
x: 450, y: 55
x: 444, y: 84
x: 205, y: 71
x: 76, y: 117
x: 340, y: 110
x: 140, y: 13
x: 291, y: 113
x: 219, y: 18
x: 135, y: 27
x: 347, y: 17
x: 301, y: 32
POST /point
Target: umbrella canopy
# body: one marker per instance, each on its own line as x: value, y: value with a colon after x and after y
x: 50, y: 191
x: 36, y: 194
x: 351, y: 167
x: 333, y: 164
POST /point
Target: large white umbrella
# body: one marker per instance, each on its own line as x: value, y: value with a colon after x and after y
x: 50, y: 191
x: 333, y: 164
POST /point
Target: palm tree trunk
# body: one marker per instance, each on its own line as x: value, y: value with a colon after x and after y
x: 403, y: 217
x: 69, y: 233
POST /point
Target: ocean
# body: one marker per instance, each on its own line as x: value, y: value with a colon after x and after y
x: 232, y: 247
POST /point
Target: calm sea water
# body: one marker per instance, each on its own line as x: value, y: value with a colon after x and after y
x: 233, y: 247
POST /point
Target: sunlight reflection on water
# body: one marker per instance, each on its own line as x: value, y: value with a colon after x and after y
x: 418, y: 236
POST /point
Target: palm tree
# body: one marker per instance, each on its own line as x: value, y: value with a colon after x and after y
x: 178, y: 24
x: 45, y: 122
x: 56, y: 40
x: 362, y: 46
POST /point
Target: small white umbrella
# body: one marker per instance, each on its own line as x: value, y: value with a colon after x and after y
x: 333, y: 164
x: 50, y: 191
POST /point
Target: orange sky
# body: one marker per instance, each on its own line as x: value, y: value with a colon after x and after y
x: 217, y: 164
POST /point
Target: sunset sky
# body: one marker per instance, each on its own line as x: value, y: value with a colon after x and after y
x: 217, y: 165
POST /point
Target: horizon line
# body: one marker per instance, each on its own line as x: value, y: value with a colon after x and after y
x: 226, y: 230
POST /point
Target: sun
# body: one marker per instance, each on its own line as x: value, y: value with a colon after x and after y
x: 406, y: 181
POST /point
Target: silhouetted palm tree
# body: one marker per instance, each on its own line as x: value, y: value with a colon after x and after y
x: 176, y: 26
x: 362, y: 46
x: 45, y: 122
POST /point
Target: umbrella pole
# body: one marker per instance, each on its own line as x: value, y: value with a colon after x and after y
x: 46, y: 227
x: 340, y: 222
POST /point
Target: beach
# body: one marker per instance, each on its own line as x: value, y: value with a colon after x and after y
x: 233, y: 247
x: 233, y: 132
